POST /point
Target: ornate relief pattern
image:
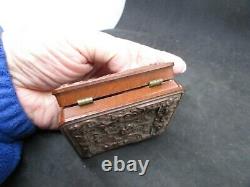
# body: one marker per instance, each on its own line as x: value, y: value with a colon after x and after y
x: 128, y: 125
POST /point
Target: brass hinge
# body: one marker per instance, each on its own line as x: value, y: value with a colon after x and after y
x: 156, y: 82
x: 89, y: 100
x: 85, y: 101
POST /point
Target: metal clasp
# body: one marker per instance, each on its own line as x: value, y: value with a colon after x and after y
x: 85, y: 101
x: 156, y: 82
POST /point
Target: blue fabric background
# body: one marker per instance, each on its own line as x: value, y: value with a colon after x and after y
x: 14, y: 123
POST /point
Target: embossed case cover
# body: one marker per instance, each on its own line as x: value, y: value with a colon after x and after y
x: 126, y: 114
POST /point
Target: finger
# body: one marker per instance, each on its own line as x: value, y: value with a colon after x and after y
x: 179, y: 64
x: 41, y: 107
x: 111, y: 54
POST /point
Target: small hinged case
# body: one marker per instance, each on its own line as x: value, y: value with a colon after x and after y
x: 118, y: 109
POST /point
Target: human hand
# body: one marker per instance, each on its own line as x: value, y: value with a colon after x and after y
x: 40, y: 61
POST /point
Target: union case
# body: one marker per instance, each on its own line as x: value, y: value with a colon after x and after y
x: 118, y: 109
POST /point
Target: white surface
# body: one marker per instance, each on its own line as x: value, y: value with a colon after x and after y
x: 90, y: 14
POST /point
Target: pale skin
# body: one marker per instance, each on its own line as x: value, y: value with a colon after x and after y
x: 40, y: 61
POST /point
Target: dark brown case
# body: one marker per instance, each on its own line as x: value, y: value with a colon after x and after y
x: 118, y: 109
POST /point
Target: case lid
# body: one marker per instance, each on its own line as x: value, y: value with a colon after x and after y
x: 70, y: 94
